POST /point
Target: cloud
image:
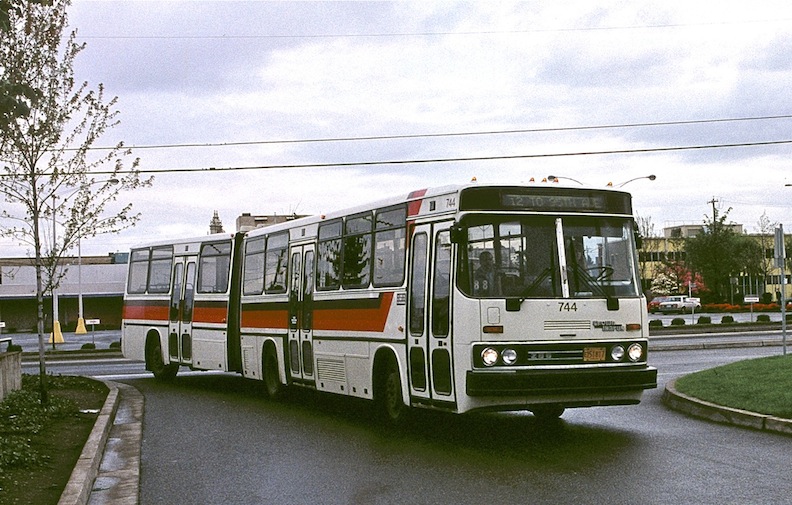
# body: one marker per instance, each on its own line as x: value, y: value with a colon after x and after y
x: 226, y: 72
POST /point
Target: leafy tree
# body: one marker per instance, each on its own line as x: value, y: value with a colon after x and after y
x: 719, y: 254
x: 675, y: 278
x: 49, y: 167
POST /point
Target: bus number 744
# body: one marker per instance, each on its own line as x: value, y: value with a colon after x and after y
x: 567, y: 307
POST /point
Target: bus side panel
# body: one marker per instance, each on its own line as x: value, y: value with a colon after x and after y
x: 141, y: 316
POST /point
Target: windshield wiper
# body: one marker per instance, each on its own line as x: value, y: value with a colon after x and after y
x: 590, y: 282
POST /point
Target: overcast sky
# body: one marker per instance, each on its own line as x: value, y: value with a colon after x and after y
x: 214, y: 73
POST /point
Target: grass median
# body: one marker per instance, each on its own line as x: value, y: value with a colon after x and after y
x: 761, y: 385
x: 39, y: 445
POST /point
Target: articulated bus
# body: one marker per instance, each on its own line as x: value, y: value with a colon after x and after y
x: 464, y: 298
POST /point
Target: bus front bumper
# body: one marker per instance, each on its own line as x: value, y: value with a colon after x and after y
x: 560, y: 381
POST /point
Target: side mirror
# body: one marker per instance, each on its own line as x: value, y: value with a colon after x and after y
x: 638, y: 238
x: 458, y: 234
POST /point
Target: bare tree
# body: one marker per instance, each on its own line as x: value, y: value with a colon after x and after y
x: 649, y: 249
x: 766, y: 236
x: 50, y: 165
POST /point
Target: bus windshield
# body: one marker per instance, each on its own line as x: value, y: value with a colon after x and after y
x: 547, y: 257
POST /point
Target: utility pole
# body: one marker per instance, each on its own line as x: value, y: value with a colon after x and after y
x: 714, y: 213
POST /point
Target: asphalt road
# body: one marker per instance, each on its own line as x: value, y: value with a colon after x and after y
x: 214, y: 439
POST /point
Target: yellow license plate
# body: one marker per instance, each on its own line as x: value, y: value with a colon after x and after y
x: 593, y: 354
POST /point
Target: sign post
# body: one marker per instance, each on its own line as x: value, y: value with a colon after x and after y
x: 93, y: 323
x: 780, y: 260
x: 751, y: 299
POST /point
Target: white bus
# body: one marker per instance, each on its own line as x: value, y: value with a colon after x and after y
x: 463, y: 298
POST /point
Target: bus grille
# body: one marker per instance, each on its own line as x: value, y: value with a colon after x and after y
x: 567, y: 325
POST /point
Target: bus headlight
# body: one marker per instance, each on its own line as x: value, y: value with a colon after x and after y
x: 509, y: 356
x: 617, y: 353
x: 489, y: 356
x: 635, y: 352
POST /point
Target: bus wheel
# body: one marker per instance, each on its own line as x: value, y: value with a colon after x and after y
x: 272, y: 384
x: 544, y: 413
x: 154, y: 362
x: 388, y: 395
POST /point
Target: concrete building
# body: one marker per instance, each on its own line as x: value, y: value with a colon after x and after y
x: 100, y: 280
x: 670, y: 247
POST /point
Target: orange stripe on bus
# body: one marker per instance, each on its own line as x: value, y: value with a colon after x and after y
x: 354, y: 315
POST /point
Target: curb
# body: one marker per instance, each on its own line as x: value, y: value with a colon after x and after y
x: 78, y: 489
x: 681, y: 402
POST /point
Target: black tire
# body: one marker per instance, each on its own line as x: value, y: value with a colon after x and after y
x: 545, y: 413
x: 273, y: 387
x: 154, y: 362
x: 388, y: 396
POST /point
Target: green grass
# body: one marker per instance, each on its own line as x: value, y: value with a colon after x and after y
x: 762, y: 385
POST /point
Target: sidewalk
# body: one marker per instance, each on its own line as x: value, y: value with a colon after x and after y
x: 108, y: 471
x: 71, y: 341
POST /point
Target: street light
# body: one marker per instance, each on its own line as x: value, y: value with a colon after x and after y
x: 556, y: 178
x: 650, y: 177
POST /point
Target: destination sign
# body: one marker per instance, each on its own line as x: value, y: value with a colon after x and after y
x: 546, y: 199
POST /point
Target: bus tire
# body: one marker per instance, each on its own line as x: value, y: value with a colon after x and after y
x: 388, y: 394
x: 546, y: 413
x: 271, y: 376
x: 154, y: 361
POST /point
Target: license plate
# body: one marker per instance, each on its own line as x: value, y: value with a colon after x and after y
x: 593, y: 354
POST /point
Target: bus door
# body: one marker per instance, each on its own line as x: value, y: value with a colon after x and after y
x: 301, y: 289
x: 429, y: 308
x: 181, y: 309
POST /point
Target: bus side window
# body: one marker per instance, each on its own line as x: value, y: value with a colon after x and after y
x: 138, y: 271
x: 441, y: 288
x: 328, y: 257
x: 276, y: 263
x: 159, y: 276
x: 418, y: 279
x: 389, y: 247
x: 253, y: 277
x: 214, y: 267
x: 357, y: 252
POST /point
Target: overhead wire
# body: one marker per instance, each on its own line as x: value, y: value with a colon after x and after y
x: 454, y: 159
x: 453, y: 134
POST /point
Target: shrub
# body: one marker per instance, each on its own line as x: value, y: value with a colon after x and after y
x: 704, y: 320
x: 763, y: 318
x: 656, y: 323
x: 14, y: 347
x: 88, y: 345
x: 678, y: 321
x: 727, y: 320
x: 115, y: 345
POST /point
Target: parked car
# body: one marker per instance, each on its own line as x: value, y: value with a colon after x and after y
x: 654, y: 305
x: 680, y: 304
